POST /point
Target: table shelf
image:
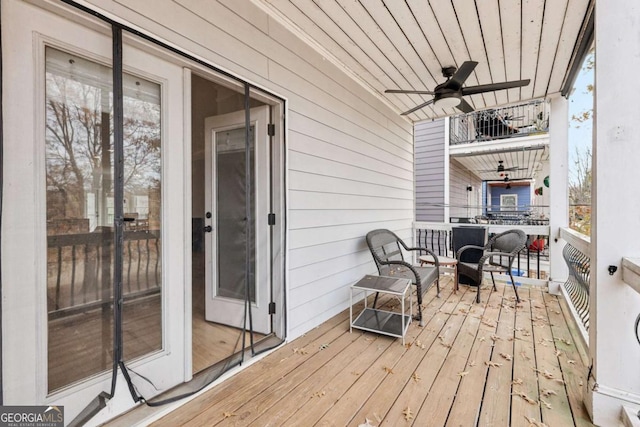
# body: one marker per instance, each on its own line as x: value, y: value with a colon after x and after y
x: 382, y: 322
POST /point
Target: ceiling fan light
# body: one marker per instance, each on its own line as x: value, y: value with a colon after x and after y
x: 450, y: 101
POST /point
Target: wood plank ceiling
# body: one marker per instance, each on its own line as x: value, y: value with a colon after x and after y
x: 404, y: 44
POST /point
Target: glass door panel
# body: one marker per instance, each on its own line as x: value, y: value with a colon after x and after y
x: 231, y: 204
x: 80, y: 208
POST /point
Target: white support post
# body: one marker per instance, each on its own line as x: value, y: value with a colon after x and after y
x: 558, y: 190
x: 615, y: 220
x: 447, y: 170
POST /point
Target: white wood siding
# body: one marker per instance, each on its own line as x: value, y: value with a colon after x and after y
x: 430, y: 170
x: 464, y: 203
x: 350, y: 158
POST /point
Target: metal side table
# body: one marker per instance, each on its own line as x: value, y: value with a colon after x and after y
x: 381, y: 321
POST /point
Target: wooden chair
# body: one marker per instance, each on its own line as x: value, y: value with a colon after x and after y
x: 386, y: 249
x: 498, y: 256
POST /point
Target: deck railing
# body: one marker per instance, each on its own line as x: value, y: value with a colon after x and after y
x: 520, y: 120
x: 532, y: 265
x: 80, y: 269
x: 576, y: 288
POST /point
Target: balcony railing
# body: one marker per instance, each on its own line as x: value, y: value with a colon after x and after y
x: 80, y: 269
x: 576, y: 289
x: 527, y: 119
x: 532, y: 265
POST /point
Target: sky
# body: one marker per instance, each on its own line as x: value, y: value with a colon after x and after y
x: 580, y: 134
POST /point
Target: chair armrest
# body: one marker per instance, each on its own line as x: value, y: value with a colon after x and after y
x: 429, y: 251
x: 488, y: 255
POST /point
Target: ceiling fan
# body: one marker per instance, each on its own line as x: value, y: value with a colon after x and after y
x: 507, y: 180
x: 501, y: 168
x: 449, y: 94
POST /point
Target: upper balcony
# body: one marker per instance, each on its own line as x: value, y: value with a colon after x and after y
x: 506, y: 123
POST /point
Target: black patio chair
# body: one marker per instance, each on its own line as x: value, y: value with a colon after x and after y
x: 498, y: 256
x: 386, y: 249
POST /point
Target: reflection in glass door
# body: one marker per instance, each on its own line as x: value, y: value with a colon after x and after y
x: 80, y: 242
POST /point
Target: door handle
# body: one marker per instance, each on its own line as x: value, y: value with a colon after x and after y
x: 208, y: 229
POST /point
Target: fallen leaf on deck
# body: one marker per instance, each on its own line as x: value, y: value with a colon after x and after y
x: 388, y: 370
x: 444, y: 344
x: 558, y: 380
x: 533, y: 423
x: 318, y: 394
x: 495, y: 338
x: 355, y: 373
x: 558, y: 353
x: 226, y: 415
x: 526, y: 398
x: 462, y: 374
x: 524, y: 355
x: 517, y: 381
x: 408, y: 345
x: 482, y: 339
x: 546, y: 392
x: 493, y: 364
x: 548, y: 375
x: 546, y: 404
x: 572, y: 362
x: 367, y: 423
x: 300, y: 350
x: 408, y: 415
x: 472, y: 363
x: 506, y: 356
x: 415, y: 377
x: 324, y: 346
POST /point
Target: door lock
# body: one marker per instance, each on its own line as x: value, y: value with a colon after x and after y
x: 208, y: 229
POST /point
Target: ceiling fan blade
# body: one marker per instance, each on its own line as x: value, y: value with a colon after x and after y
x: 424, y: 104
x: 464, y: 106
x: 509, y: 180
x: 515, y: 168
x: 472, y: 90
x: 457, y: 80
x: 419, y: 92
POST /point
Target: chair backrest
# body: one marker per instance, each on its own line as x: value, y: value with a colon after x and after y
x: 384, y: 246
x: 510, y: 241
x: 462, y: 236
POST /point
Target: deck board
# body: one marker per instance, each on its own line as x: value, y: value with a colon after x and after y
x: 330, y: 377
x: 496, y: 403
x: 469, y: 397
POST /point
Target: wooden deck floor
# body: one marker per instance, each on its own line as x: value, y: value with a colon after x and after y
x: 488, y: 364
